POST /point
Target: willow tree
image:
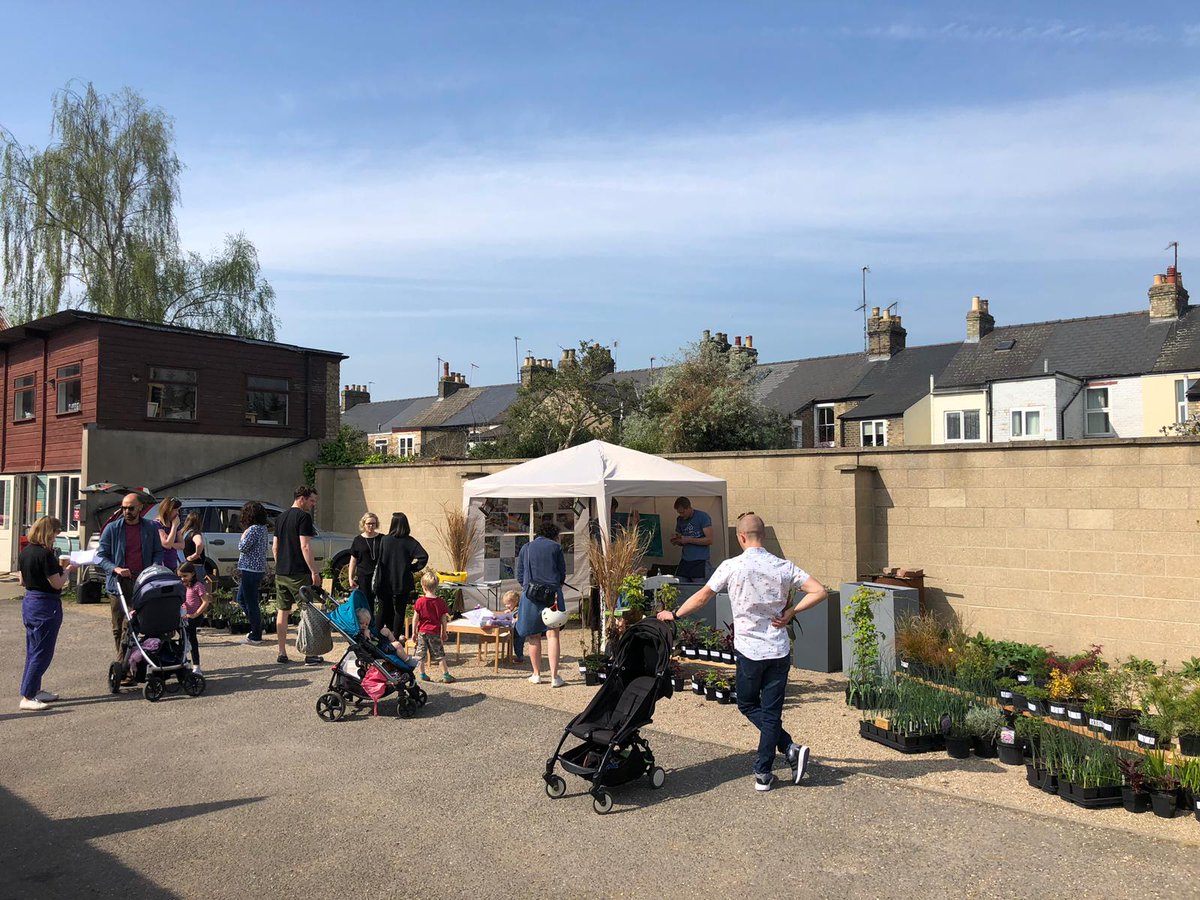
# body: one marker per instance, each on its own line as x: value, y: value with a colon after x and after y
x: 89, y: 222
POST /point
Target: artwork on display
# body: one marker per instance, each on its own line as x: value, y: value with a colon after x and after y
x: 518, y: 523
x: 565, y: 521
x: 508, y: 568
x: 518, y: 542
x: 566, y: 503
x: 491, y: 547
x: 649, y: 525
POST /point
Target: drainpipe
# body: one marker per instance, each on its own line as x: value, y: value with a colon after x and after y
x: 989, y: 412
x: 45, y: 402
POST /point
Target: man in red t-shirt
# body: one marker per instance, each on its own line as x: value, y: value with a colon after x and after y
x: 431, y: 615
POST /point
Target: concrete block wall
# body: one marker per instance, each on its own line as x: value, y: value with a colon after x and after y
x: 1067, y: 543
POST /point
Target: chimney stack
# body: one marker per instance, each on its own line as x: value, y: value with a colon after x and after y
x: 450, y: 382
x: 885, y: 335
x: 354, y: 394
x: 979, y: 320
x: 533, y: 367
x: 1168, y: 296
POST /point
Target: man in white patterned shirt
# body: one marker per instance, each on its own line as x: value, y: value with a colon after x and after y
x: 760, y: 586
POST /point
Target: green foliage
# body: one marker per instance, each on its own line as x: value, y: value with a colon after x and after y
x: 984, y: 722
x: 1012, y: 656
x: 348, y: 448
x: 632, y: 595
x: 704, y: 401
x: 667, y: 596
x: 90, y: 222
x: 1191, y: 669
x: 864, y: 635
x: 1162, y: 704
x: 1188, y: 427
x: 566, y: 407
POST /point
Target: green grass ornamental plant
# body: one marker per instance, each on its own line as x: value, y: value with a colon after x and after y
x: 864, y: 636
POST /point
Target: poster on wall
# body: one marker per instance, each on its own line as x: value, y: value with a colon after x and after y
x: 649, y: 525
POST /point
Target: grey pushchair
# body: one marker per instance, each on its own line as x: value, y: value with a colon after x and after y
x: 155, y: 650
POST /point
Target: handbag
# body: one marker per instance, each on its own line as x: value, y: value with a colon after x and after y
x: 313, y: 637
x: 541, y: 594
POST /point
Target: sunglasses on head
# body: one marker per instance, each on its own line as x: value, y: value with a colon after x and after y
x: 743, y: 515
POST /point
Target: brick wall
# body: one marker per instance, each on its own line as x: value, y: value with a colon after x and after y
x: 1066, y: 543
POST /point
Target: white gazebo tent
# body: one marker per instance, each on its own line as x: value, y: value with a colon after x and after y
x: 590, y: 476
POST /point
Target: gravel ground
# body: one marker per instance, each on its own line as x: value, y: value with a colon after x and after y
x: 243, y: 792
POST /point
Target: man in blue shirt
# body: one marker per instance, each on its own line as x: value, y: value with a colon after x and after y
x: 694, y: 535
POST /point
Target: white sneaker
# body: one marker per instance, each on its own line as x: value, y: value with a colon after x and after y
x: 533, y: 679
x: 557, y: 681
x: 196, y: 670
x: 34, y: 705
x: 45, y: 696
x: 797, y: 758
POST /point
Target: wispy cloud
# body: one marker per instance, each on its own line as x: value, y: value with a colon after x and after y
x: 1076, y: 176
x: 1045, y: 32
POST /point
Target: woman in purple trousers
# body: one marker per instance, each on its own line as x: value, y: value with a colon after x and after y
x: 43, y: 577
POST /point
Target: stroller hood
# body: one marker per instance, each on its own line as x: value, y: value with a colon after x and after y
x: 345, y: 617
x: 157, y: 585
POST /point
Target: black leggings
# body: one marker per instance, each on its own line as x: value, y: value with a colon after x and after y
x: 193, y: 640
x: 391, y: 613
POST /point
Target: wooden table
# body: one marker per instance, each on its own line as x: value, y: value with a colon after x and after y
x: 498, y: 637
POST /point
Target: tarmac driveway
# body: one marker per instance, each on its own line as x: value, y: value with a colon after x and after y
x: 245, y: 793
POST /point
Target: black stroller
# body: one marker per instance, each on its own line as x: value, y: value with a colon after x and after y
x: 612, y: 752
x: 155, y: 646
x: 362, y: 657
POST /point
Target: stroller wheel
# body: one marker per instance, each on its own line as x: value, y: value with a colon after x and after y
x: 420, y: 696
x: 193, y: 684
x: 657, y: 777
x: 555, y: 787
x: 405, y: 708
x: 114, y: 677
x: 602, y: 802
x: 330, y: 707
x: 153, y: 688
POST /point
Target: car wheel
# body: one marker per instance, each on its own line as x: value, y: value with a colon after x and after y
x: 341, y: 574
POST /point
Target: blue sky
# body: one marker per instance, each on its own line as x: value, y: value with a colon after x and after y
x: 431, y: 180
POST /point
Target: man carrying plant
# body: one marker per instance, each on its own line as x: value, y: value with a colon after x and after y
x: 760, y: 586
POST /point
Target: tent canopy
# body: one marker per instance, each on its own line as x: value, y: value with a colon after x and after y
x: 602, y: 472
x: 596, y: 469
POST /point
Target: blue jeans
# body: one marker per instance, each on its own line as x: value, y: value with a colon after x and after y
x: 247, y: 599
x: 43, y: 617
x: 760, y: 687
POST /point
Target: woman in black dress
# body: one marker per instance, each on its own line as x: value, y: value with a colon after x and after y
x: 400, y: 556
x: 364, y: 556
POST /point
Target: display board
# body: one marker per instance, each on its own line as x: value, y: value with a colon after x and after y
x: 510, y: 524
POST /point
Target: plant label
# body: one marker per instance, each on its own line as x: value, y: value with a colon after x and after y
x: 1024, y: 679
x: 904, y: 664
x: 1074, y: 716
x: 1107, y: 726
x: 1006, y: 695
x: 1147, y: 740
x: 1031, y: 705
x: 1095, y: 723
x: 1008, y: 736
x: 1057, y: 710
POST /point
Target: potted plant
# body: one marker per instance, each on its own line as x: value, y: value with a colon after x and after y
x: 1189, y: 723
x: 1134, y: 796
x: 591, y: 670
x: 1035, y: 699
x: 725, y: 644
x: 1004, y: 690
x: 1160, y: 711
x: 865, y: 639
x: 985, y: 724
x: 667, y: 596
x: 698, y: 682
x: 460, y: 535
x: 631, y: 601
x: 677, y: 679
x: 1162, y: 783
x: 612, y: 562
x: 724, y: 690
x: 1189, y: 783
x: 688, y: 636
x: 710, y: 685
x: 954, y: 725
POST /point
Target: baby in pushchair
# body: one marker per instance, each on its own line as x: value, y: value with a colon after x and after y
x: 373, y: 666
x: 155, y: 645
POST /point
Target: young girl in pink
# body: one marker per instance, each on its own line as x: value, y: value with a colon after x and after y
x: 194, y: 606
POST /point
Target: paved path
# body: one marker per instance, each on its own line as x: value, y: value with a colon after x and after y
x: 245, y: 793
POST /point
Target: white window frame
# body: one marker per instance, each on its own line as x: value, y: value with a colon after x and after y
x: 878, y: 428
x: 381, y: 445
x: 1022, y: 433
x: 962, y: 426
x: 405, y: 445
x: 1089, y: 411
x: 798, y: 433
x: 1182, y: 386
x: 817, y: 426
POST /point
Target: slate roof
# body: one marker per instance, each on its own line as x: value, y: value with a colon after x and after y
x: 1122, y: 344
x: 790, y: 386
x: 1181, y: 349
x: 464, y: 408
x: 894, y: 385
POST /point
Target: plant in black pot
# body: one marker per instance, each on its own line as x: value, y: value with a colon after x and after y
x: 724, y: 692
x: 1161, y: 705
x: 1163, y: 784
x: 698, y: 682
x: 710, y: 685
x: 865, y: 638
x: 1189, y: 723
x: 954, y: 725
x: 985, y: 724
x: 1005, y: 688
x: 677, y: 677
x: 687, y: 634
x: 1189, y: 783
x: 725, y: 644
x: 1035, y: 699
x: 1134, y: 796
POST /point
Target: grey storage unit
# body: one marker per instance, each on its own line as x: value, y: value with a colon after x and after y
x: 818, y: 643
x: 897, y: 603
x: 710, y: 613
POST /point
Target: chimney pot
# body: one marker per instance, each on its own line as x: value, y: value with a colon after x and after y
x: 750, y: 341
x: 707, y: 334
x: 874, y: 312
x: 975, y: 303
x: 737, y: 341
